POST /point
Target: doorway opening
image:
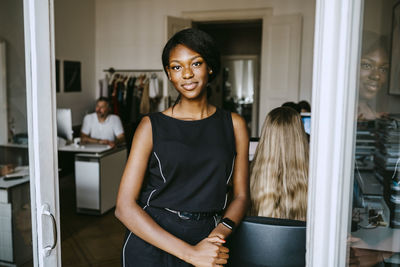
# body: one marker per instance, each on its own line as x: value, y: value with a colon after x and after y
x: 237, y: 88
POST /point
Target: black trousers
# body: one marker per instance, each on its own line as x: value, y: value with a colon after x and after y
x: 138, y: 253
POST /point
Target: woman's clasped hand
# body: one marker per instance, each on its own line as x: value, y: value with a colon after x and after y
x: 210, y: 252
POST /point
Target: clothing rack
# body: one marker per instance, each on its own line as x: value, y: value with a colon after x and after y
x: 112, y: 70
x: 133, y: 92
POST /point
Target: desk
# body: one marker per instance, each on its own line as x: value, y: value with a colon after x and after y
x: 380, y: 238
x: 15, y: 222
x: 88, y: 148
x: 383, y: 238
x: 97, y: 178
x: 66, y: 155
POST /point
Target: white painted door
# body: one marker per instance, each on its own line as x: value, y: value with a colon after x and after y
x: 41, y: 112
x: 280, y: 66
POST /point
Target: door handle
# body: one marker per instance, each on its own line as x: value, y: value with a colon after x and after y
x: 46, y: 211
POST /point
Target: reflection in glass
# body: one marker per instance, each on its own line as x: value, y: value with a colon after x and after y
x: 375, y: 227
x: 374, y: 69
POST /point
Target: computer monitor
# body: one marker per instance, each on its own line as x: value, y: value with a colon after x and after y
x: 306, y: 119
x: 64, y: 123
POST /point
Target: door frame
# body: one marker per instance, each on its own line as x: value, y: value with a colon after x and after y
x: 42, y: 131
x: 338, y: 27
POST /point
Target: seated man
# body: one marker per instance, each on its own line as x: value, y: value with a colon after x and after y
x: 101, y: 127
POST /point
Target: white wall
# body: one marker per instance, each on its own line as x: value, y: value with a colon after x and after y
x: 75, y: 40
x: 12, y: 32
x: 131, y: 33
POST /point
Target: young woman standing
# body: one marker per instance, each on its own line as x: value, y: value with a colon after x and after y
x: 175, y: 185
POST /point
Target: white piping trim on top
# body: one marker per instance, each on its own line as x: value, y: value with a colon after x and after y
x: 148, y: 200
x: 226, y: 199
x: 123, y: 250
x: 159, y: 165
x: 148, y: 204
x: 233, y: 164
x: 215, y: 220
x: 229, y: 178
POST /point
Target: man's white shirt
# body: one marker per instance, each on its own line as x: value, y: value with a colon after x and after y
x: 107, y: 130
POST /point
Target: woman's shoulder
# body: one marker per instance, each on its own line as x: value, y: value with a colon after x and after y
x: 237, y: 120
x: 144, y: 126
x: 153, y: 115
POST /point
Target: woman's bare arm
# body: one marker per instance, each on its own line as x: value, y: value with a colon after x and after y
x: 241, y: 192
x: 205, y: 253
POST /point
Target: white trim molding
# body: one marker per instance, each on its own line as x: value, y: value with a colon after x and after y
x: 335, y: 75
x: 42, y: 131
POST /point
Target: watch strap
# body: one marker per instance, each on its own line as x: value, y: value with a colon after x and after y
x: 228, y: 223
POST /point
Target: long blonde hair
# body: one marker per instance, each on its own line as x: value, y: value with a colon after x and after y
x: 279, y: 170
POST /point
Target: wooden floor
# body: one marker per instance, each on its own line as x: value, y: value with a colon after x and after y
x: 87, y: 240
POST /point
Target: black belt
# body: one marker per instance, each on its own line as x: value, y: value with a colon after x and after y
x: 193, y: 215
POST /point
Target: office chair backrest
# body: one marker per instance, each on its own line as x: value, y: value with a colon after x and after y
x: 268, y: 242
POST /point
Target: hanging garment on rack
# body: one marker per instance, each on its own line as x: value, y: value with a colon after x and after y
x: 132, y: 95
x: 130, y: 104
x: 114, y: 95
x: 145, y: 101
x: 154, y: 91
x: 120, y: 99
x: 137, y: 97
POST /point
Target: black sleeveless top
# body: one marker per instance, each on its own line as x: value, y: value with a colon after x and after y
x: 191, y: 163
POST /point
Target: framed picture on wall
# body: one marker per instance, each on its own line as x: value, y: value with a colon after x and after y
x: 72, y: 76
x: 394, y: 75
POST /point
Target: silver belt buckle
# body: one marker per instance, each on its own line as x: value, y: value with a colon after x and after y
x: 182, y: 216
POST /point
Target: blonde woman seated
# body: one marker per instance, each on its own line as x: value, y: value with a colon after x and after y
x: 279, y: 170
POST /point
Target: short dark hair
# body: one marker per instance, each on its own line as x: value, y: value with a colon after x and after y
x: 198, y: 41
x: 105, y: 99
x: 304, y: 105
x: 292, y: 105
x: 372, y: 41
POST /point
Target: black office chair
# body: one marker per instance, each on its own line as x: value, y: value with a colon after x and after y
x: 268, y: 242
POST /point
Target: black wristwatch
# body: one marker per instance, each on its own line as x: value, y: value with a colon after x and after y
x: 228, y: 223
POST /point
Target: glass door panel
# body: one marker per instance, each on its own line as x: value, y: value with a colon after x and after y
x: 15, y: 201
x: 375, y: 221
